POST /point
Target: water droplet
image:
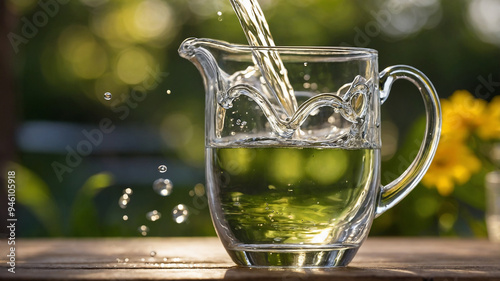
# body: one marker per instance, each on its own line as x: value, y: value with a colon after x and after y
x: 163, y: 186
x: 143, y: 230
x: 162, y: 169
x: 153, y: 215
x: 152, y: 254
x: 107, y: 96
x: 169, y: 92
x: 199, y: 189
x: 219, y: 16
x: 305, y: 63
x: 123, y: 201
x: 180, y: 213
x: 125, y: 217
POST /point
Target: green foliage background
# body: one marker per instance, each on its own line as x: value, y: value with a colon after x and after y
x: 92, y: 46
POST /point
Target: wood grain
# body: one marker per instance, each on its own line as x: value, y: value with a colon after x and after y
x: 205, y: 259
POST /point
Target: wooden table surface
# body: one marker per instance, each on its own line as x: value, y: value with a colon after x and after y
x: 205, y: 259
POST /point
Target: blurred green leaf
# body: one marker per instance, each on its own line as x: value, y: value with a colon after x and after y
x: 84, y: 216
x: 33, y: 193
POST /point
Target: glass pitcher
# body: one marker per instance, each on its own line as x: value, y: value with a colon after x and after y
x: 301, y: 189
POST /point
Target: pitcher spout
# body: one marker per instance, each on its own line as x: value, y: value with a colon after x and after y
x: 187, y: 48
x: 199, y: 52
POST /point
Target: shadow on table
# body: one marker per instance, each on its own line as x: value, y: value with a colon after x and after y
x: 339, y: 273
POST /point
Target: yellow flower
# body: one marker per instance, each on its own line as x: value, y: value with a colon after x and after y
x: 454, y: 163
x: 490, y: 127
x: 462, y: 114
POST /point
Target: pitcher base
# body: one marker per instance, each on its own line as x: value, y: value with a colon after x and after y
x: 262, y: 255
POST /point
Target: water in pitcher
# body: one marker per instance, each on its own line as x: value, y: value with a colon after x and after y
x: 290, y: 195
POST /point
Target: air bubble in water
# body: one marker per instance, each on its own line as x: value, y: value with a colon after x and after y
x: 305, y: 63
x: 143, y: 230
x: 169, y: 92
x: 163, y: 186
x: 153, y: 215
x: 152, y: 254
x: 123, y: 201
x: 125, y: 217
x: 219, y: 16
x: 127, y: 191
x: 107, y: 96
x: 162, y: 169
x: 180, y: 213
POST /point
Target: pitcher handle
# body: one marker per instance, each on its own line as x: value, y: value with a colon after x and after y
x: 395, y: 191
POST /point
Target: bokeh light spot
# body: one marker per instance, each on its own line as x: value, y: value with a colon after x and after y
x: 133, y: 64
x: 152, y: 19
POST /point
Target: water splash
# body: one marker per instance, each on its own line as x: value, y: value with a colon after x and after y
x: 162, y: 169
x: 143, y: 230
x: 153, y: 215
x: 125, y: 198
x: 123, y: 201
x: 350, y: 101
x: 163, y: 186
x: 180, y: 213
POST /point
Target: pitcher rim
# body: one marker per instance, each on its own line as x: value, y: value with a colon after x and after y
x: 305, y: 50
